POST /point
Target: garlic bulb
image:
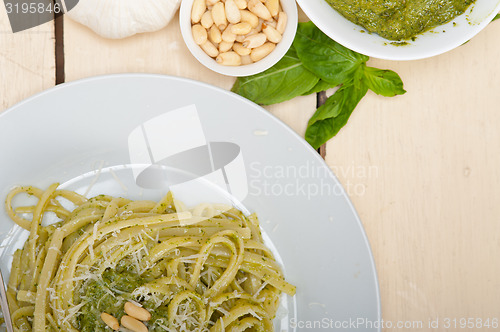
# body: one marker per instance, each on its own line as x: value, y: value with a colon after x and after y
x: 122, y: 18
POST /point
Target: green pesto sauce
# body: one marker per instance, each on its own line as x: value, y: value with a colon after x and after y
x: 400, y: 19
x: 121, y: 282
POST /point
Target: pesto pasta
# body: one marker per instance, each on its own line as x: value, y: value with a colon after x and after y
x: 189, y: 271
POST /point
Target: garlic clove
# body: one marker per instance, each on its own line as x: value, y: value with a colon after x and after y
x: 123, y: 18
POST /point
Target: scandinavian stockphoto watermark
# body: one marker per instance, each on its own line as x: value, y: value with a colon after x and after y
x: 308, y: 179
x: 172, y: 151
x: 26, y: 14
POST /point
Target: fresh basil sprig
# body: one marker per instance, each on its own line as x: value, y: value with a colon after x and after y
x: 327, y: 59
x: 383, y: 82
x: 316, y: 63
x: 285, y: 80
x: 333, y: 115
x: 319, y: 87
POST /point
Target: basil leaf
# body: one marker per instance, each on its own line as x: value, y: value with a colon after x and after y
x: 324, y: 57
x: 383, y: 82
x: 321, y: 86
x: 496, y: 18
x: 285, y: 80
x: 333, y: 115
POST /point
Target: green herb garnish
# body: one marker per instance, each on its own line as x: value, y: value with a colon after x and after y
x: 316, y: 63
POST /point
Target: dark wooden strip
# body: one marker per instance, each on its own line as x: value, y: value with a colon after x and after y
x: 59, y: 44
x: 321, y: 98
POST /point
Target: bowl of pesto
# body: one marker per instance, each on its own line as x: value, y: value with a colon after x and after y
x: 401, y: 29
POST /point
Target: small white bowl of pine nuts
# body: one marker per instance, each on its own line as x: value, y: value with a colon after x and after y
x: 238, y: 37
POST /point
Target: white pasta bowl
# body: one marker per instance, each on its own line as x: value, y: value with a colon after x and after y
x: 433, y: 42
x: 289, y: 7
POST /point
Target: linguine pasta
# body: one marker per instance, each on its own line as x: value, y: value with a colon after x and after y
x: 192, y: 273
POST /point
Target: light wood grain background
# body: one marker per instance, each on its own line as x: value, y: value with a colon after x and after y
x: 26, y: 61
x: 431, y: 207
x: 423, y: 169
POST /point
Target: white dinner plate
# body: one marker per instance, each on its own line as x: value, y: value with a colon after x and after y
x: 81, y: 134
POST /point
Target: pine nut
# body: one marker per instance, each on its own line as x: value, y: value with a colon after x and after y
x: 259, y: 27
x: 137, y: 312
x: 232, y: 12
x: 110, y: 321
x: 271, y: 23
x: 242, y: 4
x: 199, y: 7
x: 261, y: 52
x: 228, y: 36
x: 252, y: 32
x: 258, y: 8
x: 206, y: 19
x: 229, y: 59
x: 133, y: 324
x: 214, y: 35
x: 238, y: 48
x: 199, y: 34
x: 225, y: 46
x: 211, y: 2
x: 246, y: 60
x: 282, y: 19
x: 273, y: 6
x: 219, y: 15
x: 210, y: 49
x: 240, y: 38
x: 241, y: 28
x: 248, y: 17
x: 272, y: 34
x: 254, y: 41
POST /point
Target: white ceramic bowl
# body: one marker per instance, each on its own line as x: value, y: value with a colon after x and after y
x: 436, y: 41
x: 289, y: 7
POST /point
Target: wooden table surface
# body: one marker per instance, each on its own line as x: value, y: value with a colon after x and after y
x: 423, y: 169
